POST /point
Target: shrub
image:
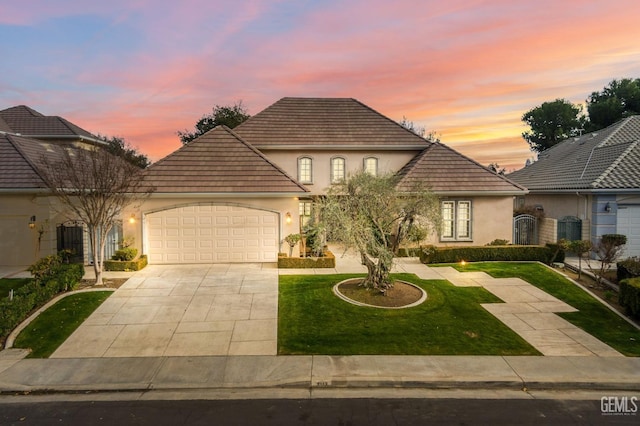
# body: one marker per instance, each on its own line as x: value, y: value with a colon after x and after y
x: 126, y: 265
x: 629, y: 296
x: 498, y: 242
x: 326, y: 261
x: 628, y: 268
x: 608, y: 250
x: 125, y: 254
x: 53, y: 277
x: 432, y: 254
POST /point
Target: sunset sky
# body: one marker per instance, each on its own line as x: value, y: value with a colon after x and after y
x: 466, y: 69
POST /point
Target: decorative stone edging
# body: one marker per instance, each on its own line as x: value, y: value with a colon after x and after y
x: 336, y: 291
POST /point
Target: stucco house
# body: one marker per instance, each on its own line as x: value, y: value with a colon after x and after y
x: 234, y: 195
x: 32, y: 223
x: 590, y: 184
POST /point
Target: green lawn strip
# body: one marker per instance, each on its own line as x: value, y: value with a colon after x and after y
x: 53, y: 326
x: 592, y: 316
x: 8, y: 284
x: 312, y: 320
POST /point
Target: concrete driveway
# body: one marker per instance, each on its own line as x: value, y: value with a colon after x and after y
x: 184, y: 310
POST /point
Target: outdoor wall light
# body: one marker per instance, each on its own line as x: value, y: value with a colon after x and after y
x: 607, y: 208
x: 132, y: 219
x: 287, y: 218
x: 32, y: 222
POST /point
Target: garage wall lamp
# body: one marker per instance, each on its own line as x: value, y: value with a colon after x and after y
x: 607, y: 208
x: 287, y: 218
x: 32, y: 222
x: 132, y: 219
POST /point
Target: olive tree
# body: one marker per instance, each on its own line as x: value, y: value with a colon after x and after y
x: 95, y: 186
x: 367, y: 213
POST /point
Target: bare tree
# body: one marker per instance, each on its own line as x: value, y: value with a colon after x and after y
x: 95, y: 186
x: 367, y: 213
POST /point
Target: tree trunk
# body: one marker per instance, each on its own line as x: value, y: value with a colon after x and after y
x: 377, y: 274
x: 95, y: 252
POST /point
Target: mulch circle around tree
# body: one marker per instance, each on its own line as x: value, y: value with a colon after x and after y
x: 401, y: 295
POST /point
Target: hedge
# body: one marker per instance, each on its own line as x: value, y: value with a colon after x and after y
x: 327, y: 261
x: 628, y: 268
x: 432, y: 254
x: 629, y: 296
x: 54, y: 278
x: 126, y: 265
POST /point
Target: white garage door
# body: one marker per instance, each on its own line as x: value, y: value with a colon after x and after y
x: 212, y: 234
x: 629, y: 225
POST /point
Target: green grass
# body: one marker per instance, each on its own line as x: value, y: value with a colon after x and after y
x: 7, y: 284
x: 592, y: 316
x: 312, y: 320
x: 52, y: 327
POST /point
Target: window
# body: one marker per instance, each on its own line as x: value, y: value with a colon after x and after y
x: 305, y: 170
x: 337, y: 169
x: 304, y: 211
x: 371, y: 165
x: 456, y: 221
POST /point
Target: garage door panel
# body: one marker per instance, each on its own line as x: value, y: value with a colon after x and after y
x: 629, y: 225
x: 210, y: 234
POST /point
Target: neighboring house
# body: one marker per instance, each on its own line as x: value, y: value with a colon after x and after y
x: 32, y: 223
x: 590, y: 184
x: 234, y: 195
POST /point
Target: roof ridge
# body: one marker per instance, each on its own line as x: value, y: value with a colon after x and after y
x: 18, y: 148
x: 615, y: 163
x: 254, y: 149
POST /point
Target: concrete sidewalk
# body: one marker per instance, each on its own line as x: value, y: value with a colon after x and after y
x: 317, y: 372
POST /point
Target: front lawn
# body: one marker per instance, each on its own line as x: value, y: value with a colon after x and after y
x: 312, y: 320
x: 592, y: 316
x: 53, y: 326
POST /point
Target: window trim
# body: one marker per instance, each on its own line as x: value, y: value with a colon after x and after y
x: 333, y: 170
x: 364, y: 164
x: 300, y: 160
x: 455, y: 224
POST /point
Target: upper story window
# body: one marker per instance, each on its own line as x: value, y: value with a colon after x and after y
x: 371, y: 165
x: 305, y: 170
x: 337, y: 169
x: 456, y: 221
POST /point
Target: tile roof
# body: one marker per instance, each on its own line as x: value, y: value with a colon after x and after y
x: 606, y: 159
x: 20, y: 160
x: 219, y: 162
x: 26, y: 121
x: 325, y: 122
x: 444, y: 170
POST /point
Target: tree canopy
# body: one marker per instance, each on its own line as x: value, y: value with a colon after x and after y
x: 94, y: 186
x: 551, y: 123
x: 118, y: 146
x: 620, y: 99
x: 229, y: 116
x: 367, y: 213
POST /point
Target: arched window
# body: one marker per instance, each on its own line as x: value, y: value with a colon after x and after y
x: 371, y: 165
x: 337, y: 169
x: 305, y: 170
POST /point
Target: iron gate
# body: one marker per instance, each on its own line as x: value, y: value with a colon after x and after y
x: 525, y: 230
x: 69, y: 236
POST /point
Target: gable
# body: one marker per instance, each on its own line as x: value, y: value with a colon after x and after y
x: 446, y: 171
x: 219, y: 162
x: 325, y: 123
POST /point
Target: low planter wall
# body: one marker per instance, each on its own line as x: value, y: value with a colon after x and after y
x: 327, y: 261
x: 126, y: 265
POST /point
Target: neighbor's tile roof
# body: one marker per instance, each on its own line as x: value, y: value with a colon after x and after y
x: 606, y: 159
x: 20, y: 160
x: 444, y: 170
x: 325, y: 122
x: 219, y: 162
x: 28, y: 122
